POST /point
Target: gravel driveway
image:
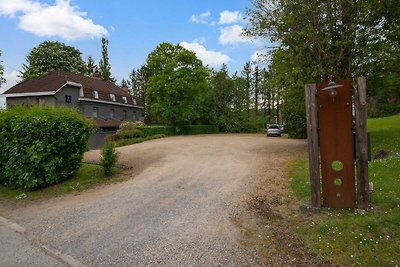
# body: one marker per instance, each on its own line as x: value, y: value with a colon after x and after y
x: 177, y: 210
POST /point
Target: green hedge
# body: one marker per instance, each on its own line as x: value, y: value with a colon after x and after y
x: 181, y: 130
x: 126, y: 134
x: 198, y: 129
x: 41, y: 146
x: 155, y: 130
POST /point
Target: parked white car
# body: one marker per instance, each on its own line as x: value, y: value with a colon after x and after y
x: 274, y: 130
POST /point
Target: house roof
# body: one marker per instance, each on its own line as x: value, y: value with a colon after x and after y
x: 55, y: 80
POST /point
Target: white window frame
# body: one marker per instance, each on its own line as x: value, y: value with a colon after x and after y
x: 95, y: 112
x: 95, y: 94
x: 125, y: 99
x: 112, y: 97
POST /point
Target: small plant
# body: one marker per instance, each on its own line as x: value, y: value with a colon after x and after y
x: 109, y: 157
x: 127, y: 134
x: 130, y: 125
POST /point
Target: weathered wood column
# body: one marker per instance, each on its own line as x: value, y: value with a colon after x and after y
x: 313, y: 148
x: 360, y: 106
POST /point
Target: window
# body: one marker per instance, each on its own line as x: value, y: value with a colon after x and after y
x: 125, y: 116
x: 68, y: 99
x: 134, y: 101
x: 112, y: 113
x: 134, y: 115
x: 37, y: 100
x: 112, y: 97
x: 125, y: 99
x: 95, y: 94
x: 95, y: 112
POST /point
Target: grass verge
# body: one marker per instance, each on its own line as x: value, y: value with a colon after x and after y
x: 88, y: 176
x: 360, y: 239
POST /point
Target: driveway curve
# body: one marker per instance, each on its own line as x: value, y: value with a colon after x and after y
x: 175, y: 211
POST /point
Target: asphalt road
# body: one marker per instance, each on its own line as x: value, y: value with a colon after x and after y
x: 175, y: 211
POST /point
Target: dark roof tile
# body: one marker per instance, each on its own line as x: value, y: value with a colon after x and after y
x: 56, y: 79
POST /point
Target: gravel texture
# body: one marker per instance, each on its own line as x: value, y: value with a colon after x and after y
x: 180, y: 208
x: 16, y: 250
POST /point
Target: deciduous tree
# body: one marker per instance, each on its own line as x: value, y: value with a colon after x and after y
x: 2, y: 79
x: 104, y: 64
x: 49, y: 56
x: 177, y: 91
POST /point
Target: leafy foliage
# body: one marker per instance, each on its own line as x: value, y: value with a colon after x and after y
x: 154, y: 130
x: 198, y: 129
x: 41, y: 145
x: 177, y: 92
x: 137, y: 82
x: 104, y: 64
x: 2, y: 79
x: 109, y: 157
x: 348, y: 238
x: 126, y: 134
x: 92, y: 68
x: 319, y: 39
x: 49, y: 56
x: 130, y: 125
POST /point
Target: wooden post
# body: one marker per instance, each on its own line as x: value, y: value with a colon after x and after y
x: 360, y: 105
x: 313, y: 148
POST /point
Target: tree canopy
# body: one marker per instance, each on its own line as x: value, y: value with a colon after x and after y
x: 2, y: 79
x: 177, y: 91
x: 92, y: 68
x: 49, y: 56
x: 340, y: 38
x: 104, y: 64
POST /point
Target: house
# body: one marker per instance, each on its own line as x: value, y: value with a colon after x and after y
x: 106, y: 103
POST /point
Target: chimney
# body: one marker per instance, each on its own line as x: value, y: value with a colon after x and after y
x: 125, y: 89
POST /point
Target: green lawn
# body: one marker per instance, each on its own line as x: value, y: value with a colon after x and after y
x: 356, y: 239
x: 88, y: 176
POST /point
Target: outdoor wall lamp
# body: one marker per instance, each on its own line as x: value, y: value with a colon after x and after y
x: 332, y: 89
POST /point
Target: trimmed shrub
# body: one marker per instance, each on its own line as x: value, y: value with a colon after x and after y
x: 130, y: 125
x: 112, y: 138
x: 127, y: 134
x: 198, y: 129
x: 41, y: 146
x: 154, y: 130
x: 109, y: 157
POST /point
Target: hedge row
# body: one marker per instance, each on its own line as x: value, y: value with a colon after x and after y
x: 182, y: 130
x: 41, y: 146
x: 155, y: 130
x: 198, y: 129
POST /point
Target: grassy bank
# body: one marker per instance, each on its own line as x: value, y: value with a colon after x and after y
x: 88, y: 176
x: 360, y: 239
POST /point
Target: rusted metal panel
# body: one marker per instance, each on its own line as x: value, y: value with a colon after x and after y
x: 337, y: 145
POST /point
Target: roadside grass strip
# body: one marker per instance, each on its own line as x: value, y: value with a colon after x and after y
x: 357, y: 238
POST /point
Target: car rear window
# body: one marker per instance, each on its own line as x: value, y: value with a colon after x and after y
x: 273, y: 127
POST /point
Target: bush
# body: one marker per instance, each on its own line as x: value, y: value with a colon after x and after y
x: 109, y: 157
x: 112, y: 138
x: 127, y: 134
x: 130, y: 125
x: 41, y: 146
x: 154, y: 130
x: 198, y: 129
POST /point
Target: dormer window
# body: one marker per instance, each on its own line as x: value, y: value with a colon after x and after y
x: 134, y: 101
x: 125, y: 99
x: 112, y: 97
x: 95, y: 95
